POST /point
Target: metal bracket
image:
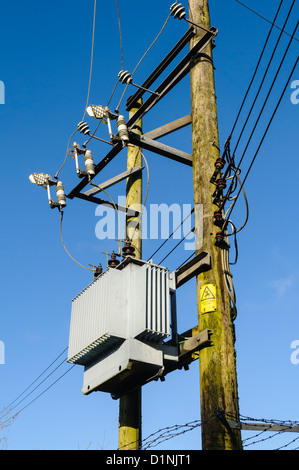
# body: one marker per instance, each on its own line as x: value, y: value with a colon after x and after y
x: 168, y: 128
x: 160, y: 149
x: 195, y: 343
x: 117, y: 207
x: 162, y: 66
x: 116, y: 179
x: 199, y: 264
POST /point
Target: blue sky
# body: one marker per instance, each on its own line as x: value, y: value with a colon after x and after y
x: 45, y: 61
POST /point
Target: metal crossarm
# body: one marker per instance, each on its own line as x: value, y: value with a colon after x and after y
x: 179, y: 72
x: 162, y: 66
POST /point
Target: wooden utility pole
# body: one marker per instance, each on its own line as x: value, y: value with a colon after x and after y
x: 218, y: 377
x: 130, y: 404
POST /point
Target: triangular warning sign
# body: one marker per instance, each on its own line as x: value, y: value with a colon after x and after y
x: 207, y: 294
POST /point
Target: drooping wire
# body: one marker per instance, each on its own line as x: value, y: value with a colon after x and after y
x: 144, y: 55
x: 61, y: 236
x: 120, y: 36
x: 88, y: 90
x: 91, y: 59
x: 146, y: 193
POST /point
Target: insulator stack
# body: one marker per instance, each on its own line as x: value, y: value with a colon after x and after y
x: 98, y: 271
x: 89, y: 164
x: 221, y: 184
x: 83, y: 127
x: 218, y: 219
x: 60, y: 194
x: 219, y: 164
x: 113, y: 262
x: 128, y: 249
x: 125, y: 77
x: 178, y: 11
x: 220, y: 240
x: 122, y: 129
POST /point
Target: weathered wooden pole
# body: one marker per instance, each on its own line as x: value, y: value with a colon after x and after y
x: 130, y: 405
x: 218, y: 377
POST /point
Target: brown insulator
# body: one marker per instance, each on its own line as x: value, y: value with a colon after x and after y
x: 219, y: 164
x: 128, y: 249
x: 221, y: 183
x: 98, y: 271
x: 113, y: 262
x: 218, y: 219
x: 220, y: 240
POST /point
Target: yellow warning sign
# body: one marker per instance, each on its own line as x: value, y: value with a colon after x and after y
x: 208, y: 301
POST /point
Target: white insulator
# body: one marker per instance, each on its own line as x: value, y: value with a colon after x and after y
x: 60, y: 194
x: 89, y: 165
x: 125, y: 77
x: 83, y: 128
x: 122, y: 128
x: 178, y: 11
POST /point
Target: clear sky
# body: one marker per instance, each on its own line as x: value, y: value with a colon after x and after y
x: 45, y: 65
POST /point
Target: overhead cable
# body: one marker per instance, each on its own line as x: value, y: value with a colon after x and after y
x: 263, y: 138
x: 258, y: 14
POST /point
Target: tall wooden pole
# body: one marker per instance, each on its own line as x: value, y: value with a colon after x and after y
x: 218, y: 377
x: 130, y: 404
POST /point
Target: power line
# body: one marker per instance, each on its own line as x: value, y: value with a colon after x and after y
x: 256, y: 69
x: 35, y: 388
x: 264, y: 104
x: 48, y: 388
x: 159, y: 248
x: 19, y: 396
x: 120, y: 36
x: 91, y: 59
x: 263, y: 79
x: 263, y: 138
x: 258, y: 14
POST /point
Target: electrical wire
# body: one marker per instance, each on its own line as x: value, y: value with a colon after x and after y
x: 51, y: 373
x: 181, y: 241
x: 263, y: 79
x: 263, y: 107
x: 19, y: 396
x: 120, y: 36
x: 92, y: 53
x: 88, y: 90
x: 46, y: 390
x: 165, y: 241
x: 258, y: 14
x: 263, y: 138
x: 61, y: 235
x: 144, y: 55
x: 146, y: 194
x: 256, y: 69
